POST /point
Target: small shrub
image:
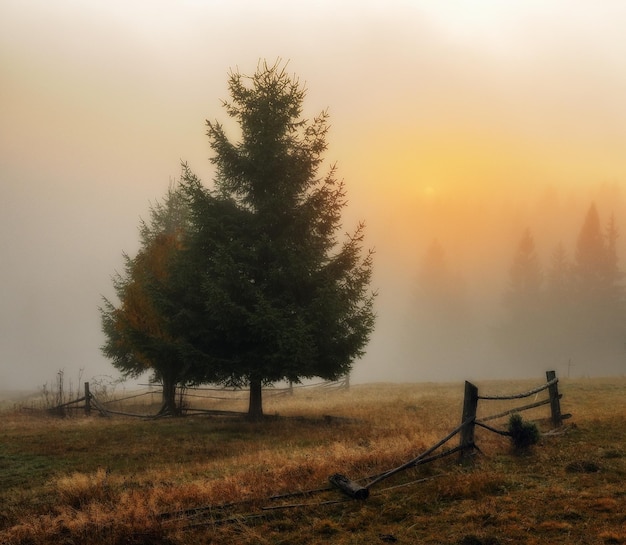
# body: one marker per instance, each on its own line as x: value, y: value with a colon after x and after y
x: 523, y: 434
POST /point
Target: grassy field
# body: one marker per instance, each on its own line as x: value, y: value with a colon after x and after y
x: 94, y: 480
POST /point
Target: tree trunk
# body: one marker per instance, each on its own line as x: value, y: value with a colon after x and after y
x: 255, y: 408
x: 169, y: 398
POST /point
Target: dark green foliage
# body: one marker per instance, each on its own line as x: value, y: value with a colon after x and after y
x: 523, y: 434
x: 276, y: 294
x: 248, y: 283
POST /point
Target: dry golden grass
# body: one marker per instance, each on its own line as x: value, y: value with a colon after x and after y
x: 96, y: 481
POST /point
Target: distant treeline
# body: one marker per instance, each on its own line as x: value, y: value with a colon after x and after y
x: 573, y: 306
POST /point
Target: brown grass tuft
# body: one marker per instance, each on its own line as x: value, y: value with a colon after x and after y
x: 79, y: 489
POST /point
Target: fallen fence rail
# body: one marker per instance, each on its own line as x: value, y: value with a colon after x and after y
x: 423, y: 455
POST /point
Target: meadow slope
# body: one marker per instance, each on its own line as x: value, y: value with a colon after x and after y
x: 95, y: 480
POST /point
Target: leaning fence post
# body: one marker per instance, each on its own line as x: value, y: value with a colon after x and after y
x: 470, y: 404
x: 555, y: 404
x: 87, y: 400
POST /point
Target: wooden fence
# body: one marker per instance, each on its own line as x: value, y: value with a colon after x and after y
x: 466, y: 430
x: 188, y: 398
x: 360, y: 489
x: 470, y: 407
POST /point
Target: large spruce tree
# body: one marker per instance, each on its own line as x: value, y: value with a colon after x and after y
x: 268, y: 289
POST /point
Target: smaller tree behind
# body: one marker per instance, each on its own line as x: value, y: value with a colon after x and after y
x: 138, y: 337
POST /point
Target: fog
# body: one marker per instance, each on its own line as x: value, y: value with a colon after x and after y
x: 456, y: 335
x: 458, y: 122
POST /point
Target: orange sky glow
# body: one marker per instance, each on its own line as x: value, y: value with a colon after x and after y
x: 464, y: 122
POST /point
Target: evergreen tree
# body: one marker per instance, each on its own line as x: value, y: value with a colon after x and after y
x: 559, y: 275
x: 138, y: 334
x: 599, y: 300
x: 525, y: 279
x: 558, y: 318
x: 579, y: 311
x: 612, y: 271
x: 522, y: 334
x: 591, y: 256
x: 276, y: 295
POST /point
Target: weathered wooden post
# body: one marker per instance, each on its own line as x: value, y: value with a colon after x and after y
x: 470, y: 404
x: 555, y: 404
x: 87, y: 400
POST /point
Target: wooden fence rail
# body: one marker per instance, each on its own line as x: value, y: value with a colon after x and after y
x: 88, y: 402
x: 470, y: 406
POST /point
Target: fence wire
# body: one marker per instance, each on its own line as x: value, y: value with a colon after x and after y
x: 520, y: 396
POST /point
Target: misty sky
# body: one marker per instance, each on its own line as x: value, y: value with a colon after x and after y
x: 460, y: 121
